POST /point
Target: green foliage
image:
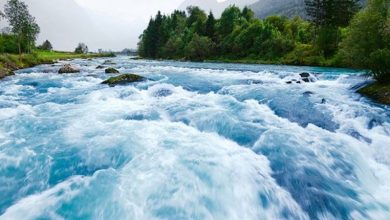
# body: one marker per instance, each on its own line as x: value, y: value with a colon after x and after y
x: 237, y: 34
x: 199, y: 48
x: 229, y: 19
x: 23, y: 25
x: 380, y: 65
x: 336, y: 13
x: 367, y: 33
x: 81, y: 48
x: 9, y: 43
x: 327, y: 17
x: 210, y: 27
x: 46, y: 45
x: 327, y: 40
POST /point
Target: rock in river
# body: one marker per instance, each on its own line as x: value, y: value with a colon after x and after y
x: 111, y: 70
x: 123, y: 79
x: 67, y: 68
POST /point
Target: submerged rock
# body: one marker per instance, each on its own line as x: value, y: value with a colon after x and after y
x: 307, y: 77
x: 308, y: 93
x: 108, y: 62
x: 304, y: 75
x: 111, y: 70
x: 67, y: 68
x: 123, y: 79
x: 100, y: 67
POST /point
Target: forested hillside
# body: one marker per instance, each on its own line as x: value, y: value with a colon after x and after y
x: 339, y: 34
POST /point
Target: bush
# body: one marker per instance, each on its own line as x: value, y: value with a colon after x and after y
x: 8, y: 44
x: 380, y: 65
x: 199, y: 48
x: 303, y: 54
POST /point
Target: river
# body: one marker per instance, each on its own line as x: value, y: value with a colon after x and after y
x: 195, y: 141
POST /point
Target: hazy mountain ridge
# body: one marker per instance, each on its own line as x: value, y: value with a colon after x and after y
x: 214, y: 5
x: 290, y: 8
x: 262, y: 8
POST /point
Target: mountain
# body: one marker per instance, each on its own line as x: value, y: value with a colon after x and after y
x: 214, y: 5
x: 289, y: 8
x: 262, y: 8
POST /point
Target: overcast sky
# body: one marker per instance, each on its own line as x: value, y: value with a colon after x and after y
x: 101, y: 24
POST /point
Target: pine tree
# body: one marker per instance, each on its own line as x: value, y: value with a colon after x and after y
x: 328, y: 16
x: 210, y: 26
x: 248, y: 14
x: 337, y: 13
x: 46, y: 46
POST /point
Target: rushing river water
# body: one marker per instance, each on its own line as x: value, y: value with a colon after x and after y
x: 196, y: 141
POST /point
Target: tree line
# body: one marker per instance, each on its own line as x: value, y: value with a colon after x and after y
x: 338, y: 33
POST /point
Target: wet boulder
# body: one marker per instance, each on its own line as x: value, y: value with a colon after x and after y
x: 307, y: 77
x: 304, y: 75
x: 123, y: 79
x: 111, y: 70
x: 67, y: 68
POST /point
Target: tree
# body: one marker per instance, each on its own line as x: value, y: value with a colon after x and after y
x: 229, y: 19
x: 379, y: 65
x: 368, y: 39
x: 196, y: 19
x: 331, y: 12
x: 327, y: 16
x: 81, y: 48
x: 210, y: 26
x: 248, y: 14
x: 199, y: 48
x: 46, y: 45
x: 22, y: 24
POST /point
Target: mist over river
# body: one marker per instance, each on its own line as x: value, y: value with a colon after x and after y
x: 195, y: 141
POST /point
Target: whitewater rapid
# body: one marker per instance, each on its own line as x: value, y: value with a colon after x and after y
x: 195, y: 141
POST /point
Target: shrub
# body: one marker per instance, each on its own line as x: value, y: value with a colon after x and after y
x: 380, y: 65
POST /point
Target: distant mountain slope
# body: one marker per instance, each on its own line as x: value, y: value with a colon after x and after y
x: 262, y: 8
x: 214, y: 5
x: 290, y: 8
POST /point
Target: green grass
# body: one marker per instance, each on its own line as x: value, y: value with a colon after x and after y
x: 377, y: 91
x: 57, y: 55
x: 12, y: 62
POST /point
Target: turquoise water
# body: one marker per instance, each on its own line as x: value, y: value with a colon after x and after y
x: 195, y: 141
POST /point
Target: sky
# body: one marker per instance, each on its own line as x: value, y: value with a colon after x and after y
x: 101, y: 24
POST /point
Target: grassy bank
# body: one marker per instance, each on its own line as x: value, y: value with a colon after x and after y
x: 12, y: 62
x: 378, y: 92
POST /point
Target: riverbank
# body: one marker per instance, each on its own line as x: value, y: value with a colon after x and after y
x: 11, y: 62
x: 378, y: 92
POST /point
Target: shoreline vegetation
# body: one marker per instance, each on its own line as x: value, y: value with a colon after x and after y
x: 12, y: 62
x: 348, y: 34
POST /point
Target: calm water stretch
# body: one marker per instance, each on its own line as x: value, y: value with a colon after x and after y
x: 195, y: 141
